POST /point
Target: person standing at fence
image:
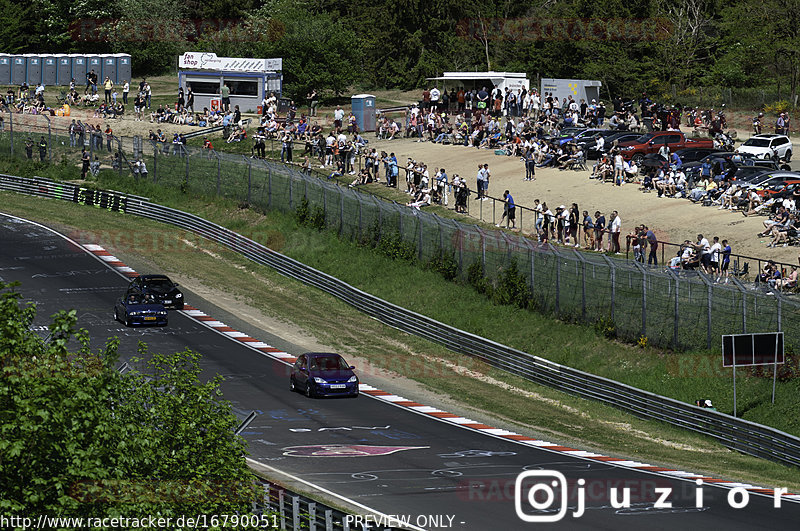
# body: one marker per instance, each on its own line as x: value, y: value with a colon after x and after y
x: 73, y: 136
x: 393, y: 172
x: 479, y: 182
x: 143, y: 169
x: 286, y: 147
x: 652, y: 242
x: 599, y: 229
x: 726, y: 260
x: 574, y: 221
x: 85, y: 160
x: 616, y: 228
x: 588, y: 231
x: 109, y: 137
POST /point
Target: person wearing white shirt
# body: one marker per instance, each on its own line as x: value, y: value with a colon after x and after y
x: 702, y: 246
x: 616, y: 228
x: 714, y: 254
x: 435, y: 94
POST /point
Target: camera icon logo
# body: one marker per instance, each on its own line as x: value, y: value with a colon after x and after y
x: 550, y: 483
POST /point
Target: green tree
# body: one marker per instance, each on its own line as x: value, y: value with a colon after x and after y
x: 77, y: 438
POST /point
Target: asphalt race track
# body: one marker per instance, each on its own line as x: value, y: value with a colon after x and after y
x: 382, y: 456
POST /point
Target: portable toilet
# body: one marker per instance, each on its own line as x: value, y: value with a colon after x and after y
x: 49, y: 70
x: 363, y: 106
x: 78, y: 62
x: 34, y: 75
x: 19, y: 67
x: 109, y: 68
x: 5, y: 69
x: 95, y: 62
x: 64, y: 69
x: 123, y: 67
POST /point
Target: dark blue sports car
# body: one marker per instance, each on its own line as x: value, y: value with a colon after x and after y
x: 323, y: 374
x: 133, y: 309
x: 160, y: 287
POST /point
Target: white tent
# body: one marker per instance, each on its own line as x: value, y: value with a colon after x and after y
x: 512, y: 80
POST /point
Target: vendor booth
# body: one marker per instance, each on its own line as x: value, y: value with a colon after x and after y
x: 248, y: 79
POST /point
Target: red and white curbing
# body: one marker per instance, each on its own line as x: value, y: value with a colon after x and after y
x: 438, y: 414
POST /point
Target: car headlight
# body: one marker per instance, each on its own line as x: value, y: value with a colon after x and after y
x: 352, y: 379
x: 179, y: 295
x: 162, y: 313
x: 319, y: 380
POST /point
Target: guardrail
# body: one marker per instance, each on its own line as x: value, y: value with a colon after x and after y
x: 295, y: 511
x: 734, y: 433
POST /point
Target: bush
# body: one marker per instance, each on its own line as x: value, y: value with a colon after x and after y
x: 316, y: 220
x: 301, y: 212
x: 445, y: 265
x: 512, y: 288
x: 777, y: 107
x: 606, y: 327
x: 393, y: 246
x: 477, y: 279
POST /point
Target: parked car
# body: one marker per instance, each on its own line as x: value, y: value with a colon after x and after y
x: 134, y: 309
x: 768, y: 146
x: 160, y: 287
x: 695, y: 154
x: 728, y: 159
x: 782, y: 189
x: 323, y: 374
x: 765, y: 180
x: 616, y: 136
x: 651, y: 142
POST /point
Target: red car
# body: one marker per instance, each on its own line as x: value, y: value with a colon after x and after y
x: 651, y: 142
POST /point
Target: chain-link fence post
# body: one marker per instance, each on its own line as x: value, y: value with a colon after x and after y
x: 219, y: 170
x: 676, y: 314
x: 613, y: 269
x: 558, y: 279
x: 184, y: 153
x: 11, y: 129
x: 643, y: 271
x: 583, y: 285
x: 269, y: 187
x: 341, y: 210
x: 49, y: 139
x: 379, y: 206
x: 419, y: 237
x: 156, y: 152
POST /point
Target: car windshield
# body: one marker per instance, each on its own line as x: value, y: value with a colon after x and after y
x: 328, y: 363
x: 162, y: 285
x: 644, y: 138
x: 757, y: 142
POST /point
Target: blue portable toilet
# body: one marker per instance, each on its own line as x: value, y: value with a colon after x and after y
x: 19, y: 68
x: 109, y: 68
x: 123, y: 67
x: 95, y: 62
x: 34, y: 75
x: 78, y: 68
x: 49, y: 70
x: 5, y: 69
x: 363, y: 106
x: 64, y: 70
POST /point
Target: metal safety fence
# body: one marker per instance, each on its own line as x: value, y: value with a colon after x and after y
x: 568, y: 277
x: 671, y: 309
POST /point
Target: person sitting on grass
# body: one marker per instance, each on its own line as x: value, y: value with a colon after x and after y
x: 422, y: 198
x: 237, y: 135
x: 363, y: 177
